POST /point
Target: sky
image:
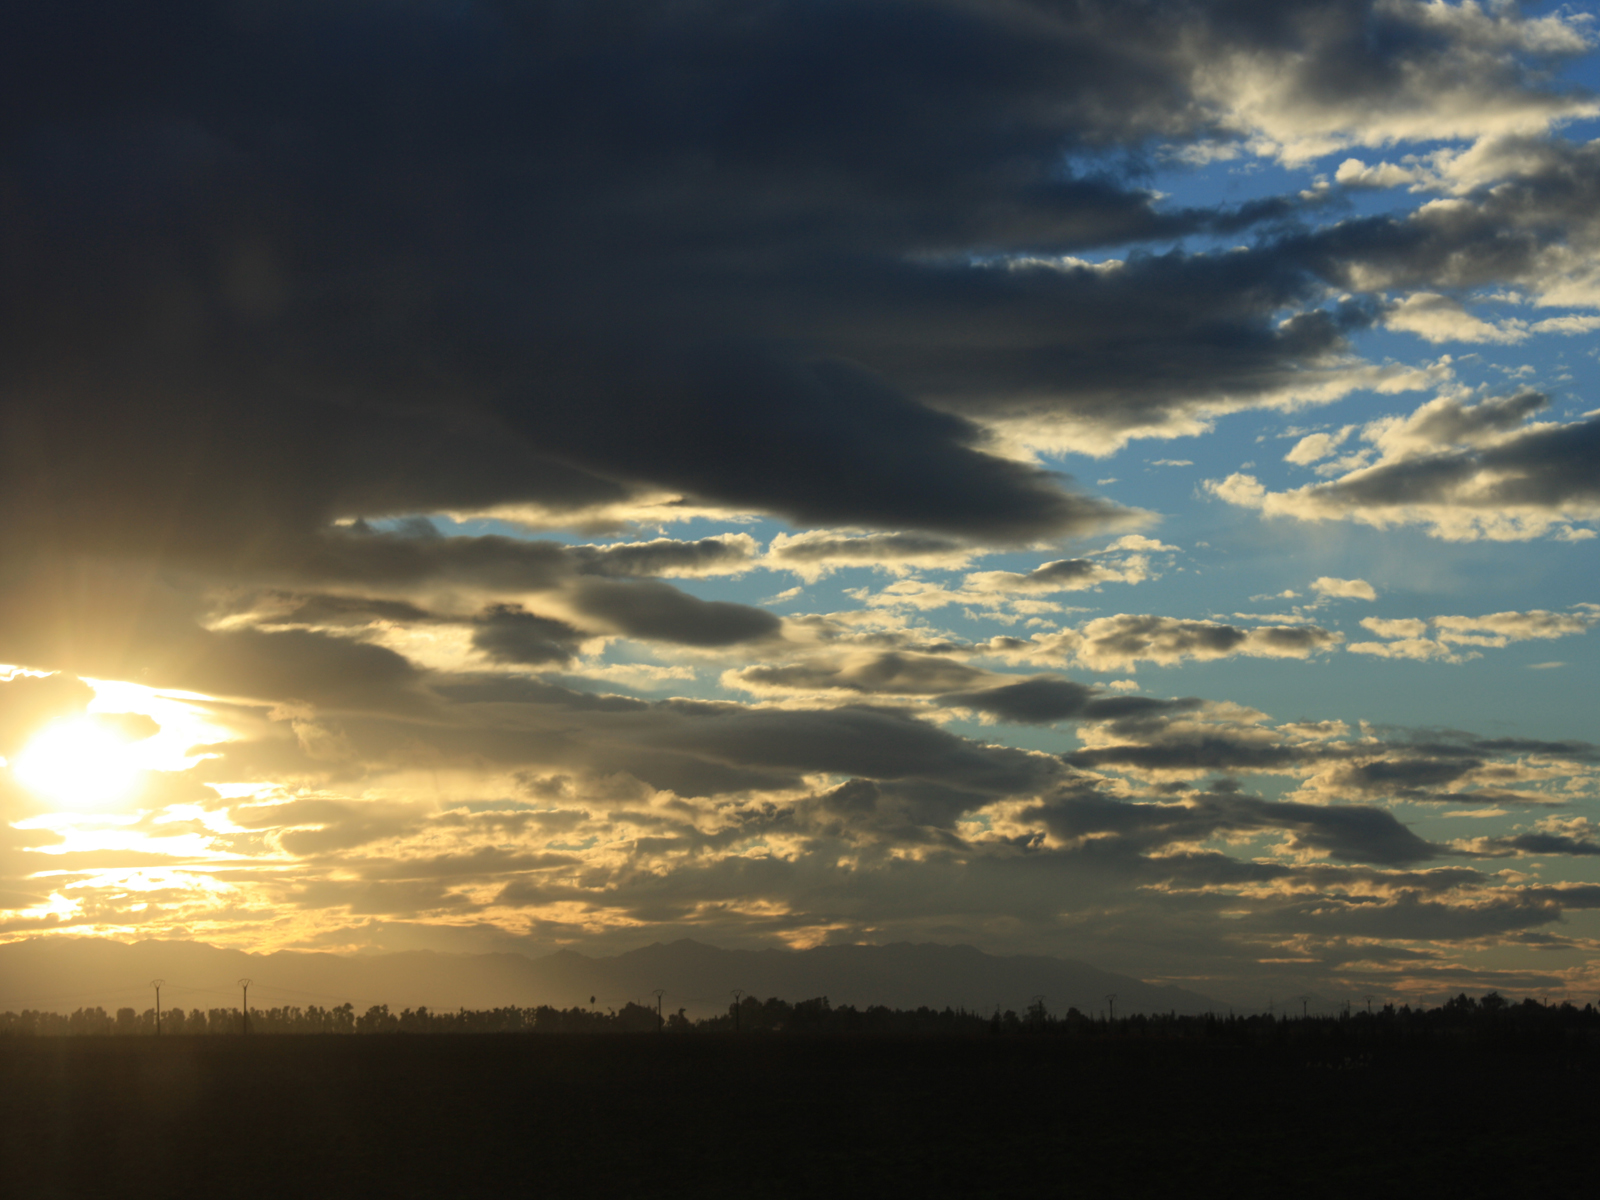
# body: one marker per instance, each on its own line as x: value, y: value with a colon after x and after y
x: 1115, y: 480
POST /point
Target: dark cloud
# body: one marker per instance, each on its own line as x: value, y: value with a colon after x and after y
x: 903, y: 812
x: 414, y: 556
x: 1533, y: 195
x: 1041, y: 700
x: 410, y: 559
x: 1196, y: 752
x: 1445, y: 424
x: 486, y: 863
x: 877, y: 743
x: 649, y: 609
x: 1066, y: 571
x: 1044, y: 700
x: 324, y: 826
x: 1345, y: 832
x: 1395, y: 767
x: 1466, y: 743
x: 112, y: 621
x: 1546, y: 843
x: 506, y: 633
x: 1110, y: 643
x: 1549, y: 469
x: 562, y: 257
x: 328, y: 609
x: 891, y: 672
x: 518, y: 689
x: 663, y: 556
x: 1406, y: 775
x: 1422, y: 919
x: 1580, y: 895
x: 558, y: 259
x: 329, y: 306
x: 692, y: 748
x: 830, y: 443
x: 870, y: 549
x: 291, y: 665
x: 1144, y: 345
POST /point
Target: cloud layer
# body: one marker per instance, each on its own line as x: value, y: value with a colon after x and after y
x: 533, y: 474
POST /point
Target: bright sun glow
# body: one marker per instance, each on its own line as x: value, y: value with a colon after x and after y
x: 77, y: 763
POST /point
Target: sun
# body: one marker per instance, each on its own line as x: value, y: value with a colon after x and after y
x: 78, y: 762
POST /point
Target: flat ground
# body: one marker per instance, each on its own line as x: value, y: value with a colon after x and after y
x: 709, y: 1116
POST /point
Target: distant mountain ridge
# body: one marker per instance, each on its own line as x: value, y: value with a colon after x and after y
x: 64, y: 974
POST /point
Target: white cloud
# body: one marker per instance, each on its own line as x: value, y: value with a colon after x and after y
x: 1404, y: 627
x: 1407, y: 637
x: 644, y: 676
x: 817, y: 553
x: 1317, y: 445
x: 1346, y: 589
x: 1018, y: 592
x: 1353, y: 172
x: 1437, y: 318
x: 1497, y: 629
x: 1138, y: 543
x: 1122, y: 641
x: 1566, y: 325
x: 1421, y: 649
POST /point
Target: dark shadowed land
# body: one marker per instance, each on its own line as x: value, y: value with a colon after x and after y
x: 718, y: 1115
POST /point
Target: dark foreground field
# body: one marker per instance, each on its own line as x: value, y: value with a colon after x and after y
x: 706, y: 1116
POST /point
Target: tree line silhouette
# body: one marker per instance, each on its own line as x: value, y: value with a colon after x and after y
x: 1490, y: 1019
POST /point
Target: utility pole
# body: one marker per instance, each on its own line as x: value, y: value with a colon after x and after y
x: 244, y: 1024
x: 658, y: 993
x: 156, y: 983
x: 738, y: 1003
